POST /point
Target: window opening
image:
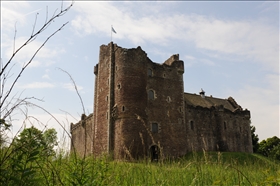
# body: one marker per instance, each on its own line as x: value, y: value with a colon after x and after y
x: 225, y: 125
x: 191, y: 123
x: 150, y: 72
x: 151, y: 94
x: 119, y: 86
x: 154, y: 128
x: 180, y: 108
x: 155, y: 152
x: 123, y: 108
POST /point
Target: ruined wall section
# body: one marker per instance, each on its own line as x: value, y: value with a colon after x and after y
x: 130, y: 102
x: 165, y: 82
x: 82, y: 135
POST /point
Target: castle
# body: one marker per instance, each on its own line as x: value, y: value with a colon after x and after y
x: 141, y: 110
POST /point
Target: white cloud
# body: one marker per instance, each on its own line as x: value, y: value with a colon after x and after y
x: 43, y: 58
x: 46, y: 76
x: 70, y: 86
x: 252, y: 39
x: 263, y: 102
x: 37, y: 85
x: 11, y: 14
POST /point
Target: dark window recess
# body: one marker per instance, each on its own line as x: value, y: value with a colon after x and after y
x: 150, y: 72
x: 225, y: 125
x: 191, y: 124
x: 106, y: 98
x: 123, y: 108
x: 151, y: 95
x: 119, y: 86
x: 154, y: 128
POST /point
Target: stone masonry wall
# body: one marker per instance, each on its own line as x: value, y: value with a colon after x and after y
x: 82, y: 136
x: 140, y: 105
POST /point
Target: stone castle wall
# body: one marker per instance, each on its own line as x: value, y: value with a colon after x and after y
x: 140, y: 106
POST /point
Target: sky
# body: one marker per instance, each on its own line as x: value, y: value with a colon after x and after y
x: 228, y: 49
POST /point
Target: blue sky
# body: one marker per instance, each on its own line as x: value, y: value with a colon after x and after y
x: 228, y: 48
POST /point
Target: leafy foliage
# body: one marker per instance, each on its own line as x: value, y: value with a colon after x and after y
x: 255, y: 139
x: 25, y: 156
x: 31, y: 139
x: 270, y: 147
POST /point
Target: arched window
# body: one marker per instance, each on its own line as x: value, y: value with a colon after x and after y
x: 151, y: 94
x: 150, y: 72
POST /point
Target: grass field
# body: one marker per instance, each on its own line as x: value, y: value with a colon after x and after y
x: 198, y: 169
x: 211, y: 168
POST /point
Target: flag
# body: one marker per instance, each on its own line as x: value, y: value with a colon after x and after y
x: 113, y: 30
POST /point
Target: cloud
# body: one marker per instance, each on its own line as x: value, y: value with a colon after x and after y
x: 10, y: 14
x: 250, y: 39
x: 43, y: 58
x: 37, y: 85
x: 70, y: 86
x: 263, y: 102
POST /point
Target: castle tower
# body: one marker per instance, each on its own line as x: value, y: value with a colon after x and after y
x: 135, y: 106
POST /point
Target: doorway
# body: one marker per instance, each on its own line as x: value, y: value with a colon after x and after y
x: 154, y: 153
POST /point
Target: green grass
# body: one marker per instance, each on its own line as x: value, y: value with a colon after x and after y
x: 199, y: 169
x: 211, y: 168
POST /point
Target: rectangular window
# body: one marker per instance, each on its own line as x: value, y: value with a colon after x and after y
x: 154, y: 128
x: 151, y: 95
x: 191, y: 123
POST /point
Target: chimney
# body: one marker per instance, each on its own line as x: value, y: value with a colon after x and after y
x: 202, y: 93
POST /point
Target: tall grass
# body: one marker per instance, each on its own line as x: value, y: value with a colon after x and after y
x: 199, y: 169
x: 194, y: 169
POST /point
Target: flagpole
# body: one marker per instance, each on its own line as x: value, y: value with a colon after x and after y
x: 111, y: 33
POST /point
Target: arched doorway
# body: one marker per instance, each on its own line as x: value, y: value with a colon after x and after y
x: 155, y: 152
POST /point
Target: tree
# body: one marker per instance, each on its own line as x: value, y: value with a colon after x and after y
x: 255, y: 139
x: 270, y: 147
x: 32, y: 139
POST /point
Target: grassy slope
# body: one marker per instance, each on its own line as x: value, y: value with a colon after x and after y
x: 198, y: 169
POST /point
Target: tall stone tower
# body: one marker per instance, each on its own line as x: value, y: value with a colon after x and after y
x: 137, y: 103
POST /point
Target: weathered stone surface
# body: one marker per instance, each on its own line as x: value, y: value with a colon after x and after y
x: 132, y: 94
